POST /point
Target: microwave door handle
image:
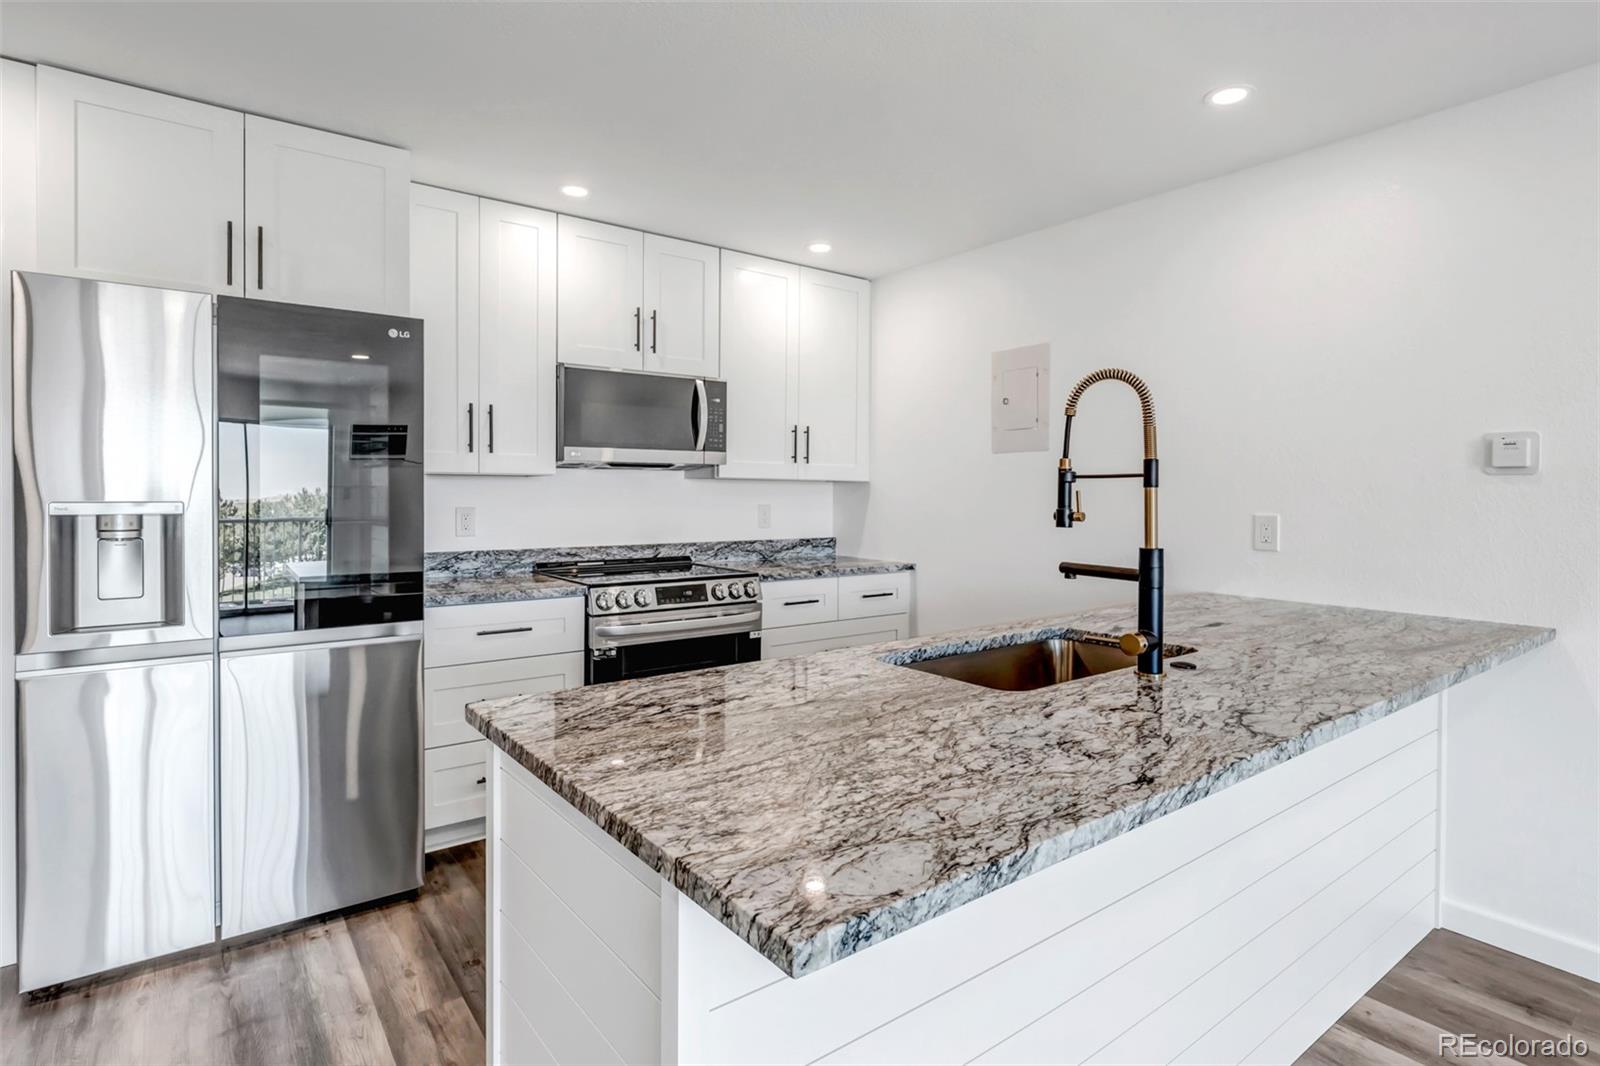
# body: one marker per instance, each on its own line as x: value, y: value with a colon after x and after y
x: 703, y: 421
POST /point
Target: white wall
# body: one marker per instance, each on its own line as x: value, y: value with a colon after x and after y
x: 578, y: 507
x: 1327, y: 337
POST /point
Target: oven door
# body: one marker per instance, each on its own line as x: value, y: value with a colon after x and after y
x: 669, y: 642
x: 629, y: 418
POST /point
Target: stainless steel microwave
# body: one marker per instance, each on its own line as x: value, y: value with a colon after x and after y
x: 629, y: 418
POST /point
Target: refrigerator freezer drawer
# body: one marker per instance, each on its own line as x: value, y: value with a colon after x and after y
x: 116, y: 816
x: 320, y: 775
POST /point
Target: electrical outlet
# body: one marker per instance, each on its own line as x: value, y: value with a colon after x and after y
x: 1264, y: 532
x: 763, y: 516
x: 466, y: 521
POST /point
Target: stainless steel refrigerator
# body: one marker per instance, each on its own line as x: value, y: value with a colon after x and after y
x: 190, y: 468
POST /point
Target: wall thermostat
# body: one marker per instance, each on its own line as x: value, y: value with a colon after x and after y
x: 1511, y: 453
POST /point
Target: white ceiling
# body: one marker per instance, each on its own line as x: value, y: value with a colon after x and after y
x: 900, y: 132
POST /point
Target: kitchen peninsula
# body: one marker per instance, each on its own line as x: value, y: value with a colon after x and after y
x: 720, y: 865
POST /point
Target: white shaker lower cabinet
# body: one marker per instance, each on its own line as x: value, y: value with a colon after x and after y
x: 483, y: 277
x: 480, y: 652
x: 819, y: 614
x: 326, y: 218
x: 138, y: 186
x: 796, y: 358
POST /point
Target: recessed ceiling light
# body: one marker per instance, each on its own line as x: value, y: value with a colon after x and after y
x: 819, y: 247
x: 359, y: 355
x: 1228, y: 95
x: 577, y: 191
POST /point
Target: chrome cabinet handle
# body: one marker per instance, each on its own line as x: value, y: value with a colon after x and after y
x: 499, y: 632
x: 261, y: 257
x: 808, y: 444
x: 230, y: 253
x: 800, y: 603
x: 636, y: 327
x: 703, y: 423
x: 794, y: 444
x: 489, y: 413
x: 652, y: 332
x: 469, y: 427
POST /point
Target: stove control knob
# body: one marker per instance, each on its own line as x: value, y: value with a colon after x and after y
x: 734, y: 591
x: 603, y: 601
x: 641, y: 598
x: 623, y: 598
x: 718, y: 592
x: 751, y: 589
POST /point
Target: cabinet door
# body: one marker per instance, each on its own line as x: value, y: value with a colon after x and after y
x: 834, y: 368
x: 138, y: 186
x: 516, y: 339
x: 760, y: 338
x: 602, y: 289
x: 681, y: 297
x: 444, y: 294
x: 326, y: 218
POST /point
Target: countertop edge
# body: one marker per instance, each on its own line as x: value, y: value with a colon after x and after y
x: 840, y: 941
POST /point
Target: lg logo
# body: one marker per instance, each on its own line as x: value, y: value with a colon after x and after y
x: 399, y: 334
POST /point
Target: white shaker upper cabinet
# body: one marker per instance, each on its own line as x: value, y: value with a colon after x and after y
x: 760, y: 341
x: 601, y: 295
x: 833, y: 376
x: 444, y: 294
x: 140, y: 187
x: 517, y: 339
x: 681, y: 297
x: 326, y: 218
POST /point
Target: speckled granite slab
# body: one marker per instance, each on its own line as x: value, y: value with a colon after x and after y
x: 502, y: 576
x: 820, y: 805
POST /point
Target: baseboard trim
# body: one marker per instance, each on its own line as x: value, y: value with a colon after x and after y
x: 1530, y: 941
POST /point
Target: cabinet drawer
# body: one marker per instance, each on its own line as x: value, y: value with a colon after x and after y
x: 479, y: 633
x: 455, y: 783
x: 808, y: 640
x: 868, y: 595
x: 448, y: 689
x: 798, y: 603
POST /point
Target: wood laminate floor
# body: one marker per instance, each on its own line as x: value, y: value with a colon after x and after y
x: 404, y: 983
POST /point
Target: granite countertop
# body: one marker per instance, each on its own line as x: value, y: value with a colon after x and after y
x: 443, y: 589
x: 506, y: 575
x: 834, y: 566
x: 817, y: 806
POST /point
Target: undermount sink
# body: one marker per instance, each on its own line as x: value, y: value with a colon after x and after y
x: 1038, y: 663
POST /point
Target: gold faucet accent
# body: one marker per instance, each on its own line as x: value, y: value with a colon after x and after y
x: 1146, y: 642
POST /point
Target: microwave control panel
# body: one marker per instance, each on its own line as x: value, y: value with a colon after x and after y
x: 716, y: 416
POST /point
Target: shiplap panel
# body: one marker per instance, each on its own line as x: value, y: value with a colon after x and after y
x: 1293, y: 989
x: 621, y: 1005
x: 621, y: 910
x: 556, y: 1019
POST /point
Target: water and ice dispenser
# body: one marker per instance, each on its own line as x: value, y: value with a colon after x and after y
x: 116, y: 565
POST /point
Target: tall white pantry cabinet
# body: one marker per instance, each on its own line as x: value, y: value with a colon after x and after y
x: 141, y: 187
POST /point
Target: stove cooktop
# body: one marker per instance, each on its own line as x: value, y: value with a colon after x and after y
x: 595, y: 573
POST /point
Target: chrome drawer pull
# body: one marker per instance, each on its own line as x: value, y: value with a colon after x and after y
x: 499, y: 632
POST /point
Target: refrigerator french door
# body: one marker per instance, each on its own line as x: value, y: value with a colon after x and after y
x: 319, y: 589
x: 114, y: 609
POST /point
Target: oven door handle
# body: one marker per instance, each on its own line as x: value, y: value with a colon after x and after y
x: 703, y: 422
x: 700, y: 625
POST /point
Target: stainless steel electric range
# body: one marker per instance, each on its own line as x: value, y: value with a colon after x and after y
x: 663, y: 615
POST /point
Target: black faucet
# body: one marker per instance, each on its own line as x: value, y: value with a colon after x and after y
x: 1145, y: 642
